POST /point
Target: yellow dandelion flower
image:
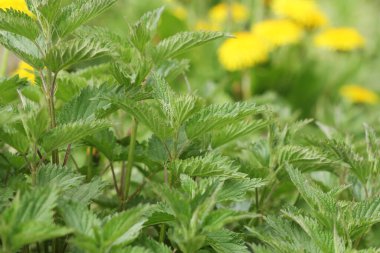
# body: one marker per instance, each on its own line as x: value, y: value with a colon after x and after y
x: 304, y: 12
x: 24, y: 70
x: 244, y: 51
x: 19, y: 5
x: 342, y: 39
x: 278, y: 32
x: 220, y: 13
x: 358, y: 94
x: 207, y: 26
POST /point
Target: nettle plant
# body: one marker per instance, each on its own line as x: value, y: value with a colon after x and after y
x: 100, y: 154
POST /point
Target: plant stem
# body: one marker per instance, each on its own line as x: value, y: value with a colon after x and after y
x: 52, y: 80
x: 89, y: 164
x: 46, y: 247
x: 4, y: 63
x: 131, y: 157
x: 67, y: 155
x: 38, y: 247
x: 25, y: 249
x: 114, y: 179
x: 257, y: 200
x: 122, y: 184
x: 162, y: 232
x: 246, y: 85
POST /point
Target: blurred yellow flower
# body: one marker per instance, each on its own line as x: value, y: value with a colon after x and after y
x: 244, y: 51
x: 24, y: 70
x: 207, y: 26
x: 304, y: 12
x: 19, y: 5
x: 278, y: 32
x: 342, y: 39
x: 180, y: 12
x: 358, y: 94
x: 222, y: 12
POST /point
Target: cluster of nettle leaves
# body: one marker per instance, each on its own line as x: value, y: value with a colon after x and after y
x: 199, y: 180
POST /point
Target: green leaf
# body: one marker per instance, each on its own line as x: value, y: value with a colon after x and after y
x: 58, y: 177
x: 142, y: 31
x: 120, y: 229
x: 221, y: 217
x: 65, y: 54
x: 236, y: 189
x: 23, y: 48
x: 84, y: 193
x: 30, y: 219
x: 209, y: 166
x: 69, y: 86
x: 9, y: 87
x: 322, y: 238
x: 225, y: 241
x: 105, y: 141
x: 177, y: 108
x: 148, y: 114
x: 18, y: 22
x: 360, y: 216
x: 158, y: 218
x: 80, y: 12
x: 373, y: 144
x: 36, y: 122
x: 217, y: 117
x: 123, y: 228
x: 283, y: 235
x: 173, y: 68
x: 303, y: 157
x: 181, y: 42
x: 6, y: 194
x: 78, y: 217
x: 49, y: 9
x: 15, y: 137
x: 157, y: 247
x: 84, y: 106
x: 314, y: 197
x: 69, y: 133
x: 360, y: 167
x: 235, y: 131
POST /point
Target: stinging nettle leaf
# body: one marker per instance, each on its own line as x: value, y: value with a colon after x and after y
x: 181, y: 42
x: 18, y: 22
x: 142, y: 31
x: 80, y: 12
x: 23, y: 48
x: 209, y: 166
x: 72, y: 52
x: 69, y: 133
x: 56, y: 176
x: 30, y: 219
x: 225, y: 241
x: 216, y: 117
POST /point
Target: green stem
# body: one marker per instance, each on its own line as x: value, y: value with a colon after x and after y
x: 89, y: 164
x: 114, y: 179
x: 131, y: 157
x: 4, y: 63
x: 25, y: 249
x: 246, y: 85
x: 257, y: 200
x: 53, y: 123
x: 162, y: 233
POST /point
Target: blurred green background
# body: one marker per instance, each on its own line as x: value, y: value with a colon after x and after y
x: 301, y: 76
x: 304, y: 80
